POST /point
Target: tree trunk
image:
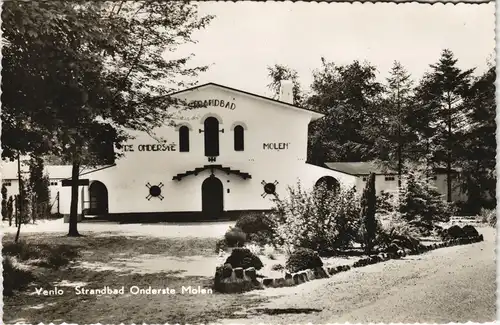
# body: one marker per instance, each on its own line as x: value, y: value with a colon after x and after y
x: 73, y: 216
x: 448, y: 162
x: 21, y: 197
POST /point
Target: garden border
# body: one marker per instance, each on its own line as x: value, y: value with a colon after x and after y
x: 240, y: 280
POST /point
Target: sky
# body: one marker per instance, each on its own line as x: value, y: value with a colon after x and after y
x: 246, y: 37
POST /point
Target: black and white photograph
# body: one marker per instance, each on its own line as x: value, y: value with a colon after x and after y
x: 241, y: 162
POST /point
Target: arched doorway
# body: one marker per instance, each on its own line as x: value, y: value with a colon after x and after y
x: 212, y: 198
x: 98, y: 198
x: 211, y: 137
x: 329, y: 182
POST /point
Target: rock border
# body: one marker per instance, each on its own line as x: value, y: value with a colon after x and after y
x: 238, y: 280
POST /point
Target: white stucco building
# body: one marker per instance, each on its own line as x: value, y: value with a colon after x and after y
x: 231, y: 151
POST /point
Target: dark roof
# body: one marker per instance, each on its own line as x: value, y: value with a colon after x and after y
x: 245, y: 92
x: 365, y: 168
x: 359, y: 168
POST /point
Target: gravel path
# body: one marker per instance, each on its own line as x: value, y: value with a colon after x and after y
x: 455, y: 284
x: 158, y: 230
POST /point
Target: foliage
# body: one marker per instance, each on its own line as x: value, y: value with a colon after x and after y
x: 303, y: 259
x: 442, y: 93
x: 470, y: 231
x: 243, y: 257
x: 369, y: 224
x: 77, y: 74
x: 391, y: 131
x: 397, y: 233
x: 386, y: 203
x: 235, y: 237
x: 489, y: 216
x: 348, y: 95
x: 278, y: 73
x: 277, y: 267
x: 453, y: 232
x: 420, y: 200
x: 478, y: 155
x: 321, y: 220
x: 221, y: 245
x: 257, y: 227
x: 14, y: 278
x: 39, y: 189
x: 4, y: 202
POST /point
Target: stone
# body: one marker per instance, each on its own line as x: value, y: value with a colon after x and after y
x: 227, y: 271
x: 287, y: 276
x: 296, y: 279
x: 238, y: 272
x: 279, y: 282
x: 268, y: 282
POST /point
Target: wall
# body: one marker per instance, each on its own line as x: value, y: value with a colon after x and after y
x: 275, y: 150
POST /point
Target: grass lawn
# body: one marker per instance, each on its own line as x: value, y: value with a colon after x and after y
x: 114, y: 252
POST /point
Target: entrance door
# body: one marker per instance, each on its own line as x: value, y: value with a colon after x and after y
x: 212, y: 198
x: 98, y: 197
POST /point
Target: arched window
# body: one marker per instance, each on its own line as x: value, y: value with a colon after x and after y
x: 239, y: 138
x: 211, y: 137
x: 183, y: 139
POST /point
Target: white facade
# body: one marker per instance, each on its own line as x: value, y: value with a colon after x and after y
x: 274, y: 152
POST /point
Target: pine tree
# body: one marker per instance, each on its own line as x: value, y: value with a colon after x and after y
x: 420, y: 200
x: 391, y: 132
x: 447, y: 86
x: 369, y: 224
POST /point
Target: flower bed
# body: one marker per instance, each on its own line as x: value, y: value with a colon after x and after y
x: 239, y: 280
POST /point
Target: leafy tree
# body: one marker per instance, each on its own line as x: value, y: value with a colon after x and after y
x: 278, y: 73
x: 348, y: 96
x: 78, y: 74
x: 321, y: 219
x: 446, y: 87
x: 369, y: 224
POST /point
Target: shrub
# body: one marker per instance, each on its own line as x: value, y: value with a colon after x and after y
x: 489, y: 216
x: 257, y: 227
x: 14, y: 278
x: 397, y: 233
x: 420, y: 200
x: 48, y: 256
x: 303, y: 259
x: 221, y: 245
x: 269, y: 251
x: 235, y: 237
x: 454, y: 232
x: 243, y: 257
x: 277, y: 267
x: 253, y: 248
x: 322, y: 220
x: 470, y: 231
